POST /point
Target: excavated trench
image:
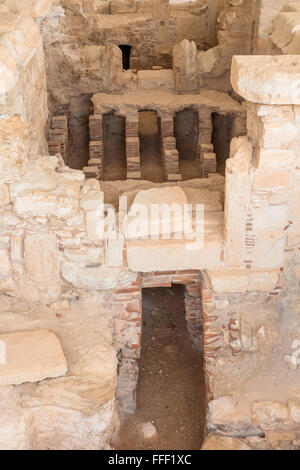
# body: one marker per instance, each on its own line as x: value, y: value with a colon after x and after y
x: 171, y: 386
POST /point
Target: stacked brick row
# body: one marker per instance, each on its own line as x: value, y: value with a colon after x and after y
x: 133, y: 148
x: 207, y: 160
x: 94, y: 168
x: 171, y: 157
x: 58, y: 137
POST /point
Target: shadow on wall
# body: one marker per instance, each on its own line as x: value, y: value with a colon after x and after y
x: 186, y: 131
x: 151, y: 146
x: 221, y: 138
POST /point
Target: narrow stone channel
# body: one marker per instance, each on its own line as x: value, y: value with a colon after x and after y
x: 171, y: 386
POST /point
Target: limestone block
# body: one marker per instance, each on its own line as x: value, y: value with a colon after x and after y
x: 34, y: 8
x: 157, y: 212
x: 61, y: 202
x: 93, y: 276
x: 267, y: 158
x: 91, y: 196
x: 267, y: 79
x: 269, y: 249
x: 41, y: 262
x: 271, y: 217
x: 272, y: 179
x: 269, y: 413
x: 14, y: 150
x: 243, y: 280
x: 77, y: 411
x: 114, y: 256
x: 173, y: 255
x: 85, y: 255
x: 59, y: 428
x: 185, y: 67
x: 225, y: 418
x: 237, y: 199
x: 273, y: 127
x: 34, y: 177
x: 31, y: 356
x: 95, y: 225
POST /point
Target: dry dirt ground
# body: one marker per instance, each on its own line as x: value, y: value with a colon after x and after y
x: 171, y: 387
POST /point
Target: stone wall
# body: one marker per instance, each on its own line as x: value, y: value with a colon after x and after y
x: 22, y: 85
x: 267, y: 10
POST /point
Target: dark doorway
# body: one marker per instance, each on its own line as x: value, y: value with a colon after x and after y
x: 171, y: 390
x: 151, y: 146
x: 221, y: 138
x: 186, y: 131
x: 114, y: 147
x: 126, y: 51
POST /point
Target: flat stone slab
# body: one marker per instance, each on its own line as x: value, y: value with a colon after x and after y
x: 273, y: 80
x: 30, y: 356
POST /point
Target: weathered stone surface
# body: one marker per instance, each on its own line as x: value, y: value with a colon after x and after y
x: 172, y: 255
x: 41, y: 262
x: 13, y: 135
x: 267, y: 79
x: 4, y: 262
x: 154, y: 79
x: 157, y: 212
x: 93, y: 276
x: 269, y: 413
x: 31, y: 356
x: 78, y: 411
x: 61, y: 202
x: 226, y: 280
x: 225, y: 418
x: 294, y: 407
x: 34, y: 8
x: 4, y: 195
x: 216, y: 442
x: 185, y: 67
x: 13, y: 423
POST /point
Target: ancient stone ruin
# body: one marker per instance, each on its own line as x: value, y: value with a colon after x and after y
x: 149, y: 224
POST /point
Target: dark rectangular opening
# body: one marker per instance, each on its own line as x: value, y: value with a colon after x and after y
x: 114, y: 147
x: 151, y: 146
x: 126, y: 52
x: 186, y: 131
x: 221, y: 138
